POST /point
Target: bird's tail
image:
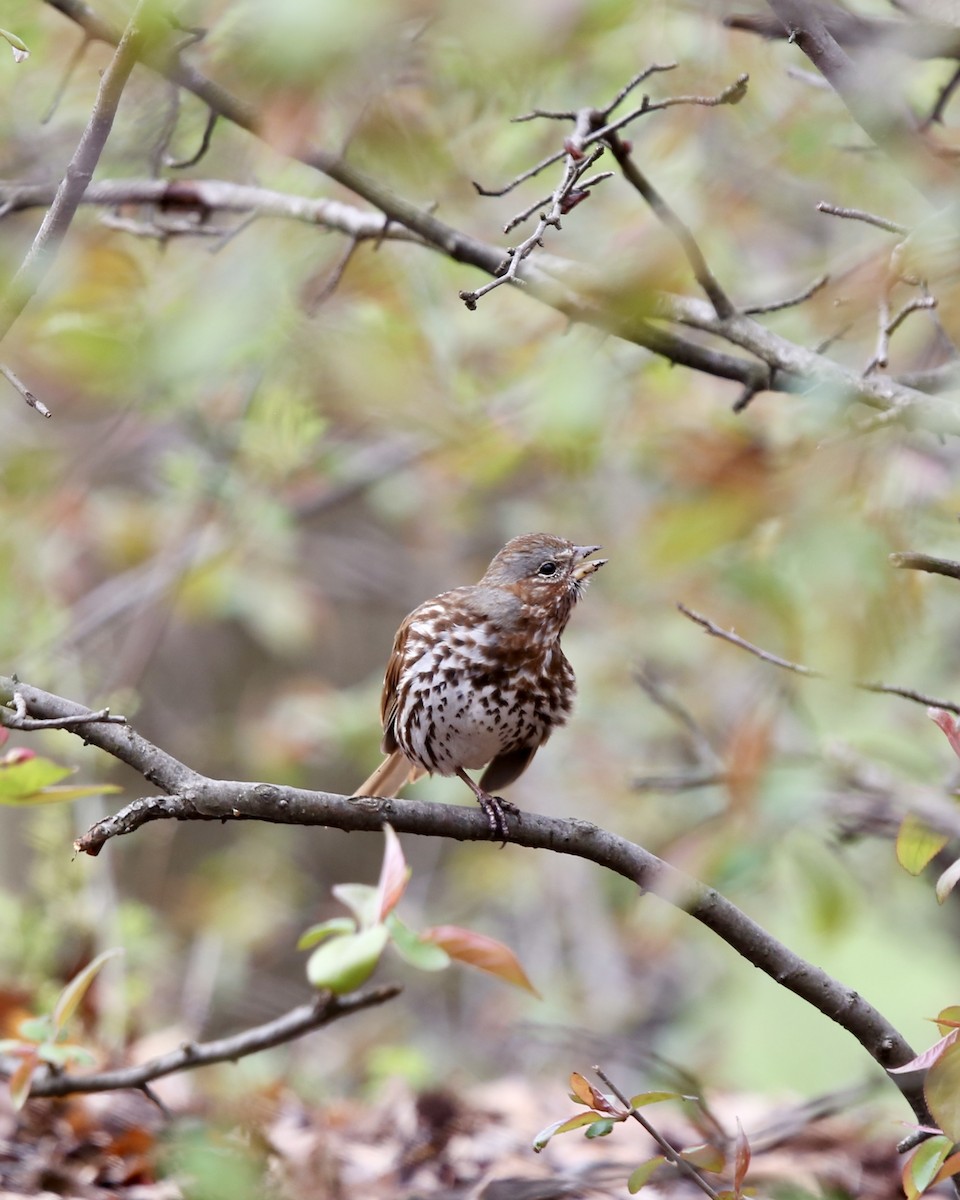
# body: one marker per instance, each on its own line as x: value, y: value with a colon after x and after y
x: 388, y: 779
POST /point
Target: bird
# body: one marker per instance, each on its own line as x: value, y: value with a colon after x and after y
x: 477, y: 678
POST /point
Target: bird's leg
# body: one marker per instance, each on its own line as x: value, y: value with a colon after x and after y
x: 494, y: 806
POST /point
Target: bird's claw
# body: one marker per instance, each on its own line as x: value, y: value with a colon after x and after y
x: 496, y: 809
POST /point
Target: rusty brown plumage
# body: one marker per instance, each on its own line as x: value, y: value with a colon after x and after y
x: 477, y: 678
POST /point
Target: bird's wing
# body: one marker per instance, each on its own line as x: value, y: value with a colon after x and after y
x: 507, y: 767
x: 391, y: 680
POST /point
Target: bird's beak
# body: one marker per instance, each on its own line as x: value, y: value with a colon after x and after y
x: 583, y: 569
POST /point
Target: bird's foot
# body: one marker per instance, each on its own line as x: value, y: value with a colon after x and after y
x: 496, y: 809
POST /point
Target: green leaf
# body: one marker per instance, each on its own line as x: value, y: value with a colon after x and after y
x: 641, y: 1174
x: 600, y: 1128
x: 917, y: 844
x: 565, y: 1126
x: 76, y: 989
x: 19, y: 48
x: 19, y: 779
x: 344, y: 963
x: 58, y: 795
x: 643, y: 1098
x: 36, y: 1029
x: 921, y: 1168
x: 362, y: 900
x: 942, y: 1091
x: 61, y: 1055
x: 317, y: 933
x: 424, y: 955
x: 706, y: 1157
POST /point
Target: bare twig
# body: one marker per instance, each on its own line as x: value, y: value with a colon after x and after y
x: 569, y: 192
x: 631, y: 172
x: 671, y: 1154
x: 917, y: 304
x: 912, y: 561
x: 73, y: 62
x: 55, y: 224
x: 859, y: 214
x: 180, y: 164
x: 320, y: 293
x: 791, y: 302
x: 946, y: 92
x: 190, y: 1055
x: 887, y: 689
x: 19, y: 718
x: 17, y: 382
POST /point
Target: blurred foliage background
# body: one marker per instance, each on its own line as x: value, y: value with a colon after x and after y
x: 251, y: 477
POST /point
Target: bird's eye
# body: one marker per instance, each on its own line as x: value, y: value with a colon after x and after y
x: 547, y: 568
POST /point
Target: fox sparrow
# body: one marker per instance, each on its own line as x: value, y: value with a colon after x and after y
x: 477, y: 677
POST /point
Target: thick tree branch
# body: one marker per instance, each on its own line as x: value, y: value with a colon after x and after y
x: 214, y: 799
x: 326, y: 1009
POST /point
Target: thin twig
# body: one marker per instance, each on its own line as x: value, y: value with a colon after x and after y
x: 180, y: 164
x: 912, y: 561
x: 721, y: 302
x: 19, y: 718
x: 791, y: 302
x: 859, y: 214
x: 669, y: 1152
x: 72, y: 63
x: 323, y: 292
x: 190, y: 1055
x: 917, y: 304
x: 673, y: 708
x: 936, y: 113
x: 888, y: 689
x: 52, y: 231
x: 31, y: 399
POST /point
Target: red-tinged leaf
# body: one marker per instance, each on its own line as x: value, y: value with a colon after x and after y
x: 948, y: 1018
x: 641, y: 1175
x: 332, y: 928
x: 20, y: 1080
x: 925, y: 1060
x: 917, y: 844
x: 948, y: 880
x: 583, y: 1091
x: 747, y: 754
x: 705, y: 1157
x: 4, y: 734
x: 18, y: 754
x: 573, y: 149
x: 480, y: 951
x: 741, y: 1158
x: 942, y: 1091
x: 949, y: 724
x: 394, y: 874
x: 76, y: 989
x: 920, y: 1169
x: 950, y: 1167
x: 564, y: 1126
x: 344, y: 963
x: 641, y: 1099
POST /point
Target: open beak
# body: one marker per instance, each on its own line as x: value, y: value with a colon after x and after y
x: 583, y: 569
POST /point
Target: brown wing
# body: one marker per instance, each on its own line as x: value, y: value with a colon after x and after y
x: 505, y: 768
x: 389, y: 697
